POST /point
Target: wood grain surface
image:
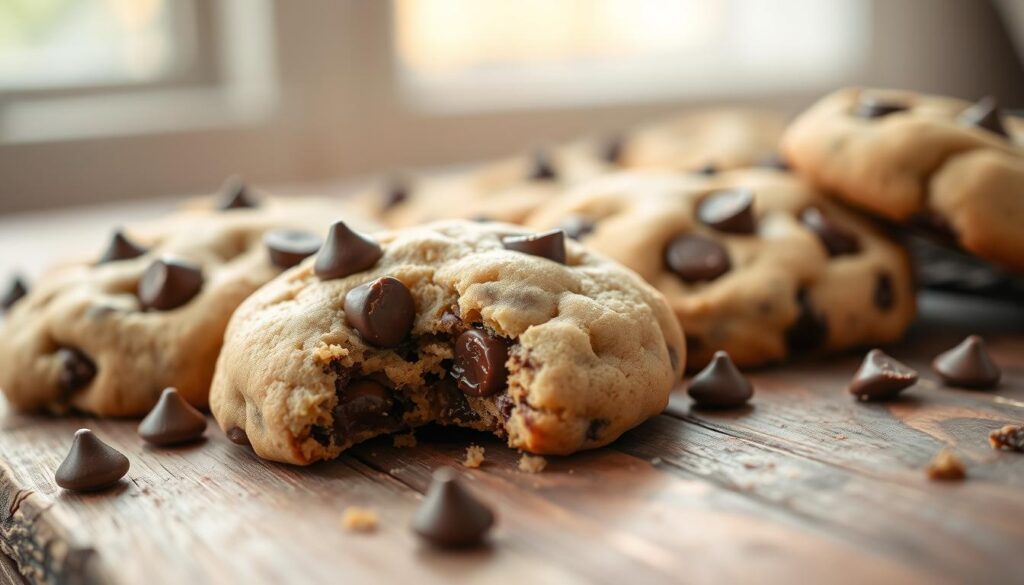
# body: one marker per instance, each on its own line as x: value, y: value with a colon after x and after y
x: 806, y: 484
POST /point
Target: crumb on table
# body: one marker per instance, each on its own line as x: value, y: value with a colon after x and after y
x: 532, y: 463
x: 946, y: 466
x: 406, y: 440
x: 1009, y: 437
x: 474, y: 456
x: 358, y: 519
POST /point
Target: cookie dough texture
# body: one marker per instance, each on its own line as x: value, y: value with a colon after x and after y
x: 593, y: 349
x: 783, y: 293
x: 921, y: 166
x: 93, y: 309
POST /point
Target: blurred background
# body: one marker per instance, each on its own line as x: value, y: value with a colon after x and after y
x: 105, y: 100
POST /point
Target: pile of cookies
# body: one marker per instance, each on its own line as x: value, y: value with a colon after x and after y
x: 543, y: 298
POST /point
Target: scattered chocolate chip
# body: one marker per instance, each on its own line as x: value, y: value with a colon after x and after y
x: 289, y: 247
x: 396, y: 194
x: 382, y: 311
x: 76, y: 370
x: 884, y: 296
x: 235, y: 195
x: 708, y: 170
x: 15, y: 292
x: 809, y: 330
x: 238, y: 436
x: 613, y: 150
x: 577, y: 226
x: 880, y: 377
x: 450, y: 516
x: 542, y: 169
x: 596, y: 428
x: 121, y: 248
x: 729, y: 210
x: 550, y: 245
x: 90, y: 464
x: 984, y: 114
x: 172, y: 421
x: 479, y: 367
x: 871, y: 108
x: 1009, y: 437
x: 967, y: 365
x: 364, y: 405
x: 775, y: 161
x: 169, y: 283
x: 720, y: 384
x: 946, y: 466
x: 346, y: 252
x: 836, y: 238
x: 696, y: 258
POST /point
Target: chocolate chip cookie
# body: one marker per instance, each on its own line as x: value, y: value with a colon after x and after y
x: 106, y: 335
x: 754, y: 262
x: 480, y: 325
x: 943, y: 165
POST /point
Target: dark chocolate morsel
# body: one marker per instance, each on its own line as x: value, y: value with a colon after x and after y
x: 708, y: 170
x: 871, y: 108
x: 76, y: 370
x: 836, y: 238
x: 382, y: 311
x: 346, y: 252
x: 121, y: 248
x: 550, y: 245
x: 450, y: 516
x: 968, y: 365
x: 613, y: 150
x: 235, y: 195
x: 90, y: 464
x: 169, y: 283
x: 542, y: 169
x: 885, y: 296
x: 238, y: 436
x: 984, y: 114
x: 397, y: 193
x: 364, y: 405
x: 696, y: 258
x: 880, y: 377
x: 720, y: 384
x: 577, y: 226
x: 479, y: 367
x: 172, y: 421
x: 809, y: 330
x: 15, y: 293
x: 289, y: 247
x: 729, y: 210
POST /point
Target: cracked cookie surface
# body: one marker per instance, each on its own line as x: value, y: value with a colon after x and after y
x: 553, y: 357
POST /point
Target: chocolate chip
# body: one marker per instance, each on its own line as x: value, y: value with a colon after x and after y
x: 968, y: 365
x: 346, y: 252
x: 76, y: 370
x: 450, y: 516
x: 121, y: 248
x: 720, y: 384
x: 596, y: 428
x: 235, y: 195
x: 90, y: 464
x: 396, y: 194
x: 809, y: 330
x: 542, y: 169
x: 708, y: 170
x: 577, y: 226
x: 382, y: 311
x: 836, y: 238
x: 169, y: 283
x: 613, y: 150
x: 729, y: 210
x: 884, y: 296
x: 880, y: 377
x: 984, y: 114
x: 172, y: 421
x: 15, y: 292
x: 238, y: 436
x: 550, y: 245
x: 871, y: 108
x: 696, y: 258
x: 364, y: 405
x: 479, y: 367
x: 289, y: 247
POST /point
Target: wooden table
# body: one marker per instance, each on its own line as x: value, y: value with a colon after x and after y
x: 805, y: 484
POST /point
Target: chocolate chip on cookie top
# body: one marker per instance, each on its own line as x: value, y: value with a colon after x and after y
x: 709, y: 169
x: 15, y: 292
x: 968, y: 365
x: 450, y: 516
x: 809, y: 330
x: 550, y: 245
x: 881, y: 376
x: 76, y: 370
x: 836, y: 238
x: 984, y: 114
x: 542, y: 169
x: 172, y: 421
x: 121, y: 248
x: 235, y: 195
x: 346, y: 252
x: 396, y: 193
x: 728, y: 210
x: 169, y: 283
x: 288, y: 247
x: 885, y: 294
x: 613, y: 150
x: 479, y: 368
x: 696, y: 258
x: 872, y: 107
x: 382, y: 311
x: 720, y: 384
x: 90, y: 464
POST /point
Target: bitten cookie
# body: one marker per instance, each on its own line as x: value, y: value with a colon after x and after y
x: 107, y: 335
x: 941, y: 164
x: 470, y: 324
x: 754, y: 262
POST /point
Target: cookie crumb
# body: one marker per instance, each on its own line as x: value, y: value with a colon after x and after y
x: 357, y: 519
x: 474, y: 456
x: 532, y: 463
x: 946, y: 466
x: 1010, y: 437
x: 404, y: 441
